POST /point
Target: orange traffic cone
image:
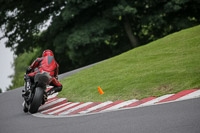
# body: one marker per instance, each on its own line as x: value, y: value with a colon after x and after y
x: 100, y: 91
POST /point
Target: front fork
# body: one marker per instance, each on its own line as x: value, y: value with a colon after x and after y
x: 27, y: 82
x: 27, y: 88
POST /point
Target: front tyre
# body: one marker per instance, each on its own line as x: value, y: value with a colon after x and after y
x: 37, y: 100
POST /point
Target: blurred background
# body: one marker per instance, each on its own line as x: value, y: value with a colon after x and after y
x: 82, y: 32
x: 6, y: 69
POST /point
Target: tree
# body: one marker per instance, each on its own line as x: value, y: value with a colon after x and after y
x: 0, y: 90
x: 82, y: 32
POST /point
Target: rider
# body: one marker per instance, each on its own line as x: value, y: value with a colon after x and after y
x: 48, y: 64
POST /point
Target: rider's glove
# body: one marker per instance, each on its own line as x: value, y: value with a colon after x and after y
x: 28, y: 70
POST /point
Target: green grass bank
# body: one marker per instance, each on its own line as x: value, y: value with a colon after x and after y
x: 165, y: 66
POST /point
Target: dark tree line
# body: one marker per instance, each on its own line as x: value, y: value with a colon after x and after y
x: 85, y: 31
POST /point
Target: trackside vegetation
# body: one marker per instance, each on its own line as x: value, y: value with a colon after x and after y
x: 168, y: 65
x: 20, y: 65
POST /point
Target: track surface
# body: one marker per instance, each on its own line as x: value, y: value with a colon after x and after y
x: 175, y: 117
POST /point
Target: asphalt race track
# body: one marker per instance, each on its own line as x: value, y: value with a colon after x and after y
x: 175, y: 117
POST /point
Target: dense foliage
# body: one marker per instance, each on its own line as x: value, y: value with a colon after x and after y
x: 82, y: 32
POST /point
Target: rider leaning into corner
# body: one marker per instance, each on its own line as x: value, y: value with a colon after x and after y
x: 48, y: 64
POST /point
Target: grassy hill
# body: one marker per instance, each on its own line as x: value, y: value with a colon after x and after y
x: 168, y: 65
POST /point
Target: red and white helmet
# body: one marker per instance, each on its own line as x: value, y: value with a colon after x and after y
x: 47, y: 52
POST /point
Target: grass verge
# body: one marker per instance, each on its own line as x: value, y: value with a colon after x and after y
x: 168, y: 65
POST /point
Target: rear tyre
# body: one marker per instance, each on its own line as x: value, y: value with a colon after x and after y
x: 37, y: 100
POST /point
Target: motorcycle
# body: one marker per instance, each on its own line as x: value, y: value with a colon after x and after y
x: 34, y: 93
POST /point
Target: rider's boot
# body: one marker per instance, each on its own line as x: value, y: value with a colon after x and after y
x: 54, y: 90
x: 50, y: 92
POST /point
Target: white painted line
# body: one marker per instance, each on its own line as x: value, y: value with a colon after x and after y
x: 96, y: 107
x: 55, y: 107
x: 155, y: 100
x: 121, y: 105
x: 63, y: 108
x: 52, y: 103
x: 189, y: 96
x: 75, y: 108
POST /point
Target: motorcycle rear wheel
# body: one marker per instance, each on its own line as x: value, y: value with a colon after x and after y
x: 37, y: 100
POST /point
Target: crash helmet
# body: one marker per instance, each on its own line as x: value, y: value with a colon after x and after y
x: 47, y: 52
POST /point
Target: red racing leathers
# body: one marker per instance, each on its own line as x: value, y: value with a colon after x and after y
x: 47, y: 64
